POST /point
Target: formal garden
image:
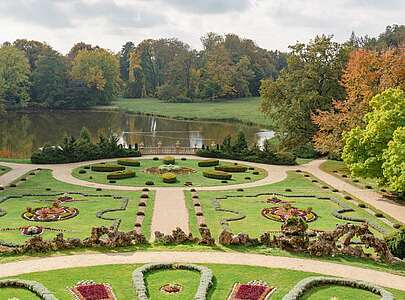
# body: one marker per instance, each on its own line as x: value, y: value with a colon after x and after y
x: 3, y: 170
x: 168, y: 171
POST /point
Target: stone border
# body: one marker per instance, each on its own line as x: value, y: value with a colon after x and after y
x: 138, y: 280
x: 33, y: 286
x: 311, y: 282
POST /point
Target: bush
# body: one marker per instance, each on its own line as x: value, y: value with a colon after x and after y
x: 217, y: 175
x: 107, y: 168
x: 396, y: 226
x: 145, y: 190
x: 99, y: 189
x: 255, y: 173
x: 169, y: 177
x: 149, y: 182
x: 240, y: 190
x: 396, y: 242
x: 183, y: 158
x: 224, y: 181
x: 112, y: 181
x: 129, y: 162
x: 348, y: 197
x: 232, y: 168
x: 208, y: 163
x: 142, y: 204
x: 144, y: 196
x: 121, y: 174
x: 156, y: 158
x: 379, y: 215
x: 362, y: 205
x: 86, y: 167
x: 288, y: 190
x: 169, y: 160
x: 82, y: 172
x: 368, y: 187
x: 248, y: 178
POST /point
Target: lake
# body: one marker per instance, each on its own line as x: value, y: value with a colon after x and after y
x: 22, y: 133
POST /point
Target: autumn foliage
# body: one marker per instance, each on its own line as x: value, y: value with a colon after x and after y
x: 366, y: 74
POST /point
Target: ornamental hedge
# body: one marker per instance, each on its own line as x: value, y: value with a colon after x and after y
x: 129, y: 162
x: 169, y: 160
x: 208, y: 163
x: 232, y: 168
x: 138, y: 279
x: 217, y: 175
x: 121, y: 174
x: 169, y: 177
x: 33, y: 286
x: 309, y: 283
x: 107, y: 168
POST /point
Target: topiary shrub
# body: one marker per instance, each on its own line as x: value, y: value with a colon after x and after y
x: 169, y: 177
x: 112, y: 181
x: 344, y: 176
x: 362, y: 205
x: 325, y: 187
x: 155, y: 158
x: 129, y: 162
x: 99, y: 189
x: 368, y: 187
x: 288, y: 190
x: 379, y: 215
x: 200, y: 214
x: 144, y: 196
x: 142, y: 204
x: 193, y: 190
x: 396, y: 242
x: 335, y: 190
x: 306, y: 175
x: 396, y: 226
x: 214, y: 174
x: 348, y: 197
x: 149, y: 182
x: 169, y: 160
x: 121, y: 174
x: 107, y: 168
x: 314, y: 180
x: 82, y: 171
x: 86, y: 167
x: 183, y: 158
x: 298, y: 171
x: 145, y: 190
x: 355, y: 180
x: 32, y: 173
x: 48, y: 189
x: 255, y: 173
x: 240, y: 190
x: 23, y: 179
x: 140, y: 213
x: 90, y: 177
x: 208, y: 163
x: 383, y: 190
x: 224, y: 181
x: 248, y: 178
x: 232, y: 168
x: 13, y: 185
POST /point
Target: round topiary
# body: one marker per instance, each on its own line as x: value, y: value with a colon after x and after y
x: 144, y: 196
x: 138, y: 225
x: 248, y: 178
x: 142, y: 204
x: 298, y: 171
x: 335, y: 190
x: 379, y: 215
x: 334, y: 171
x: 149, y: 182
x: 203, y: 225
x: 13, y: 185
x: 288, y: 190
x: 86, y: 167
x: 325, y: 187
x: 112, y: 181
x: 256, y: 173
x: 23, y: 179
x: 82, y: 171
x: 155, y: 158
x: 48, y: 189
x: 306, y: 175
x: 145, y: 190
x: 383, y: 190
x: 199, y: 214
x: 348, y: 197
x: 140, y: 213
x: 169, y: 160
x: 90, y: 177
x: 240, y: 190
x: 195, y: 197
x: 197, y: 204
x: 1, y: 188
x: 192, y: 190
x: 99, y: 189
x: 224, y: 181
x: 183, y: 158
x: 314, y: 180
x: 362, y: 205
x: 368, y: 187
x: 396, y: 226
x: 355, y: 180
x: 169, y: 177
x: 32, y: 173
x: 344, y: 176
x: 129, y: 162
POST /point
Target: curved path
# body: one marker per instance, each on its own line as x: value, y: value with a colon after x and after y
x: 297, y: 264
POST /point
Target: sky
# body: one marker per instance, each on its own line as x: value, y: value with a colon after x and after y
x: 272, y: 24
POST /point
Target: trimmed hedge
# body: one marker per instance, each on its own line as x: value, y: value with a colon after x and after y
x: 232, y: 168
x: 33, y: 286
x: 169, y: 177
x: 208, y: 163
x: 138, y: 279
x: 217, y: 175
x: 169, y: 160
x: 309, y: 283
x: 107, y: 168
x: 121, y: 174
x: 129, y: 162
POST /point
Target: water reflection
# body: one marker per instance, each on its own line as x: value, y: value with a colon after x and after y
x: 21, y: 133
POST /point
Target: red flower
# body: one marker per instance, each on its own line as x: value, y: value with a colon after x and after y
x: 93, y: 292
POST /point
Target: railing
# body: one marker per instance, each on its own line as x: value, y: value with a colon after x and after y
x: 168, y: 150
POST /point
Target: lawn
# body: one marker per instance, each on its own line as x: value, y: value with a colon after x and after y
x: 119, y: 277
x: 255, y: 224
x: 4, y: 170
x: 79, y: 226
x: 244, y: 110
x: 142, y: 176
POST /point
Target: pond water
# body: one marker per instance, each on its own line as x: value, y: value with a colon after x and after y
x: 21, y: 133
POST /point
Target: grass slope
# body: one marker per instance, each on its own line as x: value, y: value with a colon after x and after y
x: 119, y: 276
x: 244, y: 110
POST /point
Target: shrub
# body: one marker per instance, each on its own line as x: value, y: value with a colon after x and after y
x: 197, y: 204
x: 355, y: 180
x: 288, y: 190
x: 86, y: 167
x: 145, y: 190
x: 335, y: 190
x: 344, y: 176
x: 255, y: 173
x: 169, y: 160
x: 208, y: 163
x: 325, y: 187
x: 140, y: 213
x: 248, y: 178
x: 379, y: 215
x: 23, y: 179
x: 193, y: 190
x: 13, y: 185
x: 240, y: 190
x: 306, y: 175
x: 314, y: 180
x: 396, y: 226
x: 368, y: 187
x: 138, y: 225
x: 90, y: 177
x: 32, y: 173
x: 169, y: 177
x: 112, y: 181
x: 142, y: 204
x: 129, y: 162
x: 232, y: 168
x: 121, y: 174
x: 217, y: 175
x: 149, y: 182
x: 383, y: 190
x: 48, y: 189
x: 348, y: 197
x: 82, y: 172
x: 298, y: 171
x: 107, y: 168
x: 144, y: 196
x: 183, y: 158
x: 396, y: 242
x: 156, y: 158
x: 200, y: 214
x: 362, y: 205
x: 224, y: 181
x: 99, y: 189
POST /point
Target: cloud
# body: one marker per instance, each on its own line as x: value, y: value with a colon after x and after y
x: 209, y: 6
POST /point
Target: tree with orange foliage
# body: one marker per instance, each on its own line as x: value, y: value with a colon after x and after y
x: 367, y: 73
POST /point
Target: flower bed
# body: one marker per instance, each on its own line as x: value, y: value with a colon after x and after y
x: 208, y: 163
x: 282, y: 213
x: 232, y: 168
x: 129, y: 162
x: 31, y: 230
x: 89, y: 290
x: 217, y: 175
x: 141, y: 289
x: 107, y: 168
x: 254, y: 290
x: 50, y: 214
x: 121, y: 174
x: 171, y: 289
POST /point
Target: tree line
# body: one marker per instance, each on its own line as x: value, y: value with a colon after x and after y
x: 345, y: 100
x: 33, y: 74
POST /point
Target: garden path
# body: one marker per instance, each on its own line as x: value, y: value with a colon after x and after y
x: 298, y: 264
x: 169, y: 212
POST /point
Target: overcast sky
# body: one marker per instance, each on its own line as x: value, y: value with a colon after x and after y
x: 273, y: 24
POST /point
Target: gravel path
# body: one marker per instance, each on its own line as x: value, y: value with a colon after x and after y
x: 297, y: 264
x: 169, y: 212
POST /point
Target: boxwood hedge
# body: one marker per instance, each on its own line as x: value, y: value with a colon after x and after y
x: 208, y: 163
x: 121, y: 174
x: 129, y: 162
x: 107, y: 168
x: 169, y: 177
x: 214, y: 174
x: 232, y: 168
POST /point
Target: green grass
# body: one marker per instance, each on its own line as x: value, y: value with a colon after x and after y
x: 244, y: 110
x: 16, y: 160
x: 330, y: 166
x: 79, y: 226
x: 119, y: 276
x: 4, y: 170
x: 196, y: 178
x: 255, y: 224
